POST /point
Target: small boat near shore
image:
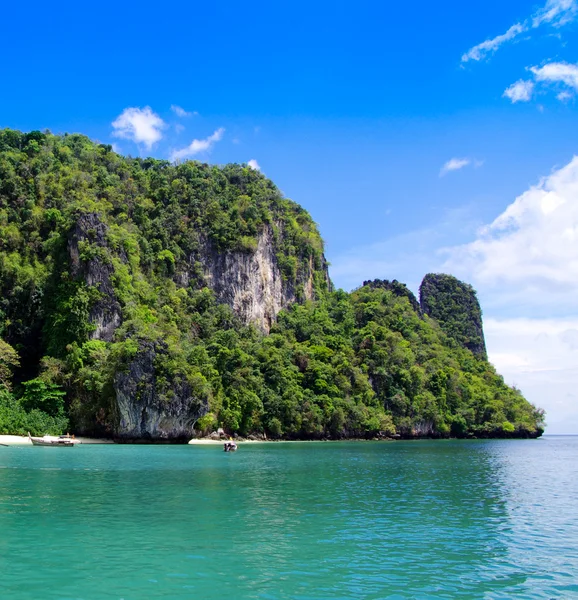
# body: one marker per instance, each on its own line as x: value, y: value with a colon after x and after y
x: 230, y: 447
x: 54, y: 440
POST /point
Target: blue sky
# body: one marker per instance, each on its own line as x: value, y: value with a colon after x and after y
x: 423, y: 138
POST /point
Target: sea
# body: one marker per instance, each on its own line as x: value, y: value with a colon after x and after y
x: 304, y: 521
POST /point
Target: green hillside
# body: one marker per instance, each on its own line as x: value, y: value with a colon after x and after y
x: 123, y: 313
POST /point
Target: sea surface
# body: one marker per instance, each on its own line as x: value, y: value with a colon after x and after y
x: 334, y: 520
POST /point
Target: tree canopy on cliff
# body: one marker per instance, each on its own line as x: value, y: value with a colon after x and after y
x: 104, y: 298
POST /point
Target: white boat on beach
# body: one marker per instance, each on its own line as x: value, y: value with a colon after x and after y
x: 54, y: 440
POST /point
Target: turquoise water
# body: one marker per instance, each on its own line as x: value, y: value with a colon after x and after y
x: 431, y: 519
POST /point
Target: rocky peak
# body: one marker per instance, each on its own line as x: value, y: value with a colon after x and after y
x: 454, y: 305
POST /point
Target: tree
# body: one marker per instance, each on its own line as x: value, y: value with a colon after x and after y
x: 9, y: 360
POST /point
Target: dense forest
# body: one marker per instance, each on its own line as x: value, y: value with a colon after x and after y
x: 123, y: 314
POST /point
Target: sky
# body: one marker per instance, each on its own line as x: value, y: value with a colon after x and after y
x: 422, y: 138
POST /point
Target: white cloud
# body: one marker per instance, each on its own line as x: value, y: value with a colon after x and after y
x: 482, y: 50
x: 564, y: 96
x: 454, y: 164
x: 181, y: 112
x: 528, y: 256
x: 197, y: 146
x: 562, y: 73
x: 141, y: 125
x: 556, y: 12
x: 521, y: 91
x: 253, y: 164
x: 525, y: 268
x: 557, y: 72
x: 539, y: 356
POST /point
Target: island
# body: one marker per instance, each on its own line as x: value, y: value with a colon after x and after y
x: 146, y: 300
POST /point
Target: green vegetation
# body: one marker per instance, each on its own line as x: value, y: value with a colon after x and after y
x: 101, y: 283
x: 454, y: 305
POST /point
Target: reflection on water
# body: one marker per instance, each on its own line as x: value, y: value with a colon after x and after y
x: 427, y: 519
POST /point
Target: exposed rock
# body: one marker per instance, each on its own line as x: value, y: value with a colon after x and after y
x: 90, y: 259
x: 454, y: 305
x: 148, y: 411
x: 251, y: 283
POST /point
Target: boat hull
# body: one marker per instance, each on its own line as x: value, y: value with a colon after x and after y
x: 49, y: 440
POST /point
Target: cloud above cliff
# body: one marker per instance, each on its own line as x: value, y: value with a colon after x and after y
x: 198, y: 146
x: 524, y: 265
x: 141, y: 125
x: 530, y: 251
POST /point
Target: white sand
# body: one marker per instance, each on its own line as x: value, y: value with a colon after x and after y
x: 22, y: 440
x: 15, y: 440
x: 208, y: 442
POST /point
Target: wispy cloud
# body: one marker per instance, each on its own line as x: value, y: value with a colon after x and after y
x: 141, y: 125
x: 480, y: 51
x: 197, y: 146
x: 554, y: 13
x: 253, y: 164
x: 454, y: 164
x: 521, y: 91
x: 181, y: 112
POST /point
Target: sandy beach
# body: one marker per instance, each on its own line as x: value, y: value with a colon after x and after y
x: 14, y: 440
x: 22, y: 440
x: 208, y: 442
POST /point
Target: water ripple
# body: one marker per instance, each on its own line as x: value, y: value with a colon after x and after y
x: 487, y: 519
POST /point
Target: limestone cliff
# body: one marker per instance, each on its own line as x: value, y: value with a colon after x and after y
x: 127, y: 283
x: 454, y: 305
x: 251, y: 282
x: 149, y: 406
x: 90, y: 261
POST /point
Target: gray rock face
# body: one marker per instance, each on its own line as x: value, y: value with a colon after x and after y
x: 90, y: 259
x: 251, y: 283
x: 146, y: 411
x: 148, y: 404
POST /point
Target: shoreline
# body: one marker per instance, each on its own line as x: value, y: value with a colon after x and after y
x: 18, y: 440
x: 22, y: 440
